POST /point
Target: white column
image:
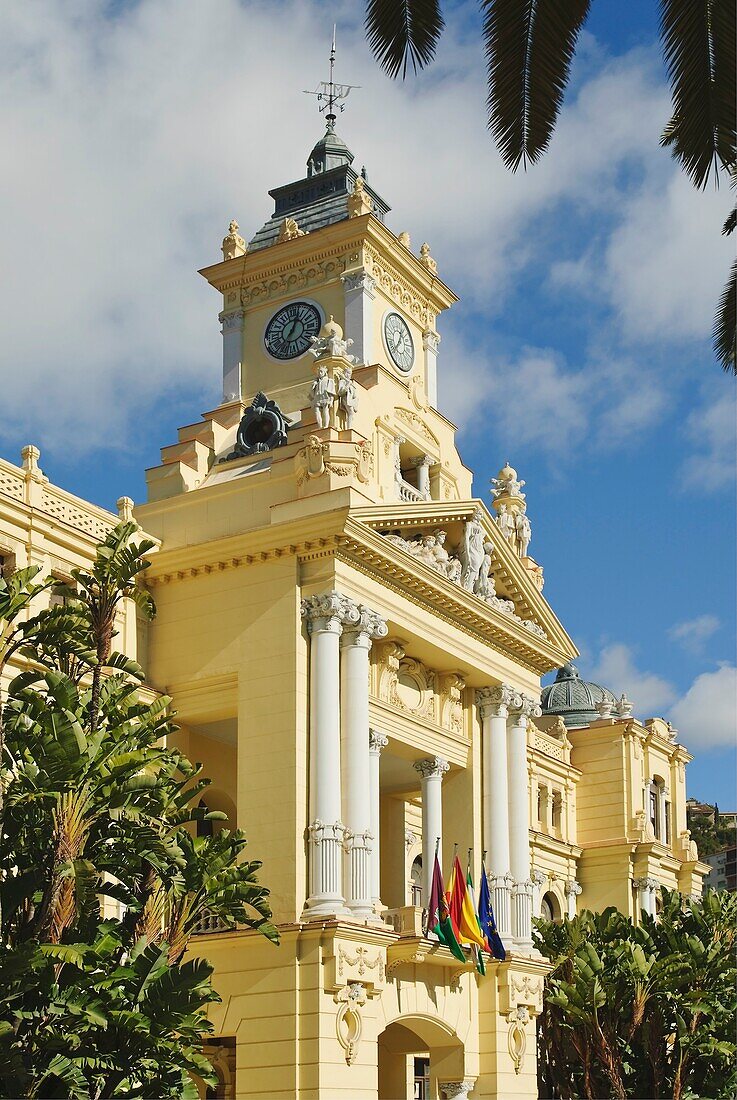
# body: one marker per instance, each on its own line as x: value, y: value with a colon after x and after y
x: 325, y: 615
x: 358, y: 633
x: 377, y: 742
x: 360, y: 292
x: 494, y: 705
x: 422, y: 465
x: 521, y: 710
x: 539, y: 881
x: 573, y: 889
x: 430, y: 344
x: 232, y: 331
x: 432, y: 771
x: 663, y: 796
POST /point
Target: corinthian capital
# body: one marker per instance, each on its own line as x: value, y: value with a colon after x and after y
x: 432, y: 767
x: 361, y: 620
x: 328, y: 612
x: 377, y: 741
x: 494, y: 702
x: 524, y: 708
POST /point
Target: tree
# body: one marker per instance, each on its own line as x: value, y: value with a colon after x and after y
x: 529, y: 48
x: 641, y: 1011
x: 102, y: 880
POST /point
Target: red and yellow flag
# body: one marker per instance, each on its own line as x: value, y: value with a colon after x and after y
x: 462, y: 912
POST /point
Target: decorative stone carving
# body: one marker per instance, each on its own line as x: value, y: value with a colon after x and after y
x: 232, y: 321
x: 410, y: 839
x: 412, y: 689
x: 263, y: 427
x: 347, y: 397
x: 507, y: 483
x: 360, y: 962
x: 233, y: 244
x: 404, y: 239
x: 604, y: 708
x: 517, y: 1036
x: 451, y: 686
x: 494, y: 702
x: 377, y: 741
x: 624, y: 707
x: 426, y: 259
x: 359, y: 619
x: 453, y: 1089
x: 523, y: 531
x: 358, y: 280
x: 432, y: 766
x: 330, y: 342
x: 484, y: 586
x: 523, y: 708
x: 329, y: 611
x: 322, y: 395
x: 471, y: 551
x: 348, y: 1024
x: 359, y: 202
x: 506, y: 523
x: 319, y: 457
x: 289, y: 231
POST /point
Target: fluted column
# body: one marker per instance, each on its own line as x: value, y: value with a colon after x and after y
x: 377, y: 742
x: 358, y: 634
x: 232, y: 331
x: 325, y: 615
x: 494, y: 705
x: 432, y: 771
x: 521, y: 710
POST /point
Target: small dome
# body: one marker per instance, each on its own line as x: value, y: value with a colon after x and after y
x: 331, y: 329
x: 574, y: 699
x: 329, y: 152
x: 507, y: 472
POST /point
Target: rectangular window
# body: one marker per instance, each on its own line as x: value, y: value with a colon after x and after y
x: 422, y: 1079
x: 667, y: 823
x: 654, y: 810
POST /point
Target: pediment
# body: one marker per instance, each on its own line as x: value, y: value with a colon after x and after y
x: 430, y: 540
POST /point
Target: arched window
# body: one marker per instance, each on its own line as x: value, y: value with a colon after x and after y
x: 204, y: 828
x: 416, y: 881
x: 550, y: 907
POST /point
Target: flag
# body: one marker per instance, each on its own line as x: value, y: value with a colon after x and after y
x: 486, y: 919
x: 438, y: 915
x: 476, y: 950
x: 461, y: 907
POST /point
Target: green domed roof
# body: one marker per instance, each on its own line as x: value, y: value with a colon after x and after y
x: 574, y: 699
x: 329, y: 152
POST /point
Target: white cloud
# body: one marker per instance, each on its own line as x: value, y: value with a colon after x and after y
x: 136, y: 136
x: 694, y: 632
x: 616, y: 669
x: 706, y: 716
x: 712, y: 429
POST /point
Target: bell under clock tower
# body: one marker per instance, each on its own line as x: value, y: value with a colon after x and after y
x: 325, y: 252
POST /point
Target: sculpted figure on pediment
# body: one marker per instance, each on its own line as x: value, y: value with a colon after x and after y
x: 506, y: 524
x: 446, y: 564
x: 471, y: 551
x: 484, y: 586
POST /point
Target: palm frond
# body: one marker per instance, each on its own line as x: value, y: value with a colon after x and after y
x: 529, y: 49
x: 403, y: 32
x: 724, y: 333
x: 699, y: 49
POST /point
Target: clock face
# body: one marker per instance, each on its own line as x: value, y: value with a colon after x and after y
x: 398, y: 341
x: 289, y: 332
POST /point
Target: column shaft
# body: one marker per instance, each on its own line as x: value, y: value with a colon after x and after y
x: 355, y: 646
x: 493, y: 706
x: 519, y: 821
x: 377, y: 742
x: 432, y: 771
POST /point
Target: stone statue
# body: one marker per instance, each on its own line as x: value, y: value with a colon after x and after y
x: 322, y: 395
x: 403, y: 238
x: 347, y: 397
x: 507, y: 483
x: 330, y: 342
x: 471, y: 551
x: 426, y: 259
x: 524, y: 533
x: 505, y: 522
x: 451, y: 567
x: 233, y: 244
x: 484, y: 586
x: 358, y: 202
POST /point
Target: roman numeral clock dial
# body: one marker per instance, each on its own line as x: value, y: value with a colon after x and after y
x: 289, y: 332
x: 398, y: 342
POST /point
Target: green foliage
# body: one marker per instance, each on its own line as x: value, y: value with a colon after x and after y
x: 99, y: 807
x: 642, y: 1011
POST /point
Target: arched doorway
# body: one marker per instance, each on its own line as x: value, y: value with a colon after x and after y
x: 415, y: 1054
x: 550, y: 907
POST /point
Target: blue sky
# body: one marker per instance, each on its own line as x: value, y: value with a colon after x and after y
x: 580, y: 349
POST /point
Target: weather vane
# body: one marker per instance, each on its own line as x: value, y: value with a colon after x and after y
x: 329, y: 94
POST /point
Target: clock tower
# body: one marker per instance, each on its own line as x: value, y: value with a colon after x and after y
x: 324, y: 253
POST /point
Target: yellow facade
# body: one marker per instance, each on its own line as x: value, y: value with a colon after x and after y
x: 356, y: 1003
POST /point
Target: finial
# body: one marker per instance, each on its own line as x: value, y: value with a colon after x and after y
x: 330, y: 94
x: 233, y: 244
x: 426, y: 258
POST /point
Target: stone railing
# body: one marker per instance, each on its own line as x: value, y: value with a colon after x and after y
x: 408, y: 494
x: 550, y: 747
x: 209, y: 926
x: 408, y: 920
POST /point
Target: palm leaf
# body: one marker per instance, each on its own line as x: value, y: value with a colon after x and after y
x: 725, y: 324
x: 699, y: 48
x: 403, y: 32
x: 529, y: 49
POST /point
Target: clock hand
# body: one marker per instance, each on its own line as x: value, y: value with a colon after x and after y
x: 288, y: 329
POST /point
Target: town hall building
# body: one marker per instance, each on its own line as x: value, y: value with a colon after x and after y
x: 354, y: 636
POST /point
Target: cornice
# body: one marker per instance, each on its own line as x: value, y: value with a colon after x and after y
x: 546, y: 843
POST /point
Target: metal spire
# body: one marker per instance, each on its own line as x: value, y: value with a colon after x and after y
x: 329, y: 94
